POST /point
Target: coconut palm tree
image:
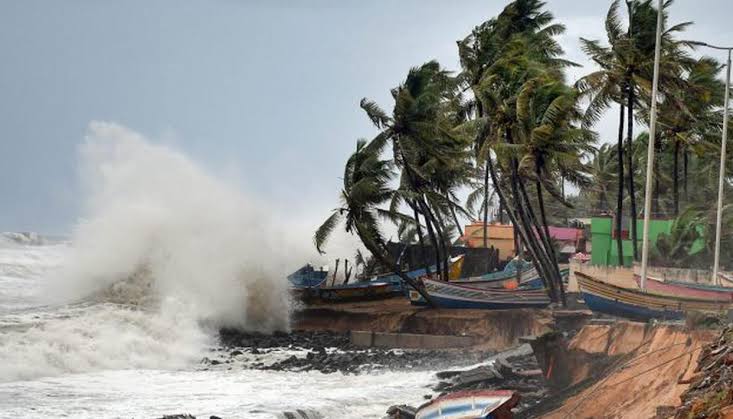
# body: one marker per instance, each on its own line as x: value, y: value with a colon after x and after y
x: 484, y: 46
x: 428, y: 148
x: 365, y: 189
x: 552, y: 143
x: 626, y: 66
x: 688, y: 115
x: 603, y: 173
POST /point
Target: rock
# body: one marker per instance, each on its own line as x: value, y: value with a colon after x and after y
x: 179, y: 416
x: 235, y: 353
x: 401, y: 412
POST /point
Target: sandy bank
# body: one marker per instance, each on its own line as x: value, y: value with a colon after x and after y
x: 495, y: 330
x: 643, y: 373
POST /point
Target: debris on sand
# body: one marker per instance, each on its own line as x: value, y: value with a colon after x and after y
x: 711, y: 387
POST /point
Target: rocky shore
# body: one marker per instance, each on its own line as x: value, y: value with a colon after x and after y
x: 332, y: 352
x: 329, y: 352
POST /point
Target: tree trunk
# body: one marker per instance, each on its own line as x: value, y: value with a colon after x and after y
x: 543, y: 232
x: 418, y: 227
x: 424, y: 210
x: 514, y: 220
x: 684, y: 163
x: 532, y: 231
x: 335, y: 271
x: 486, y: 204
x: 433, y: 237
x: 455, y: 217
x: 379, y: 251
x: 655, y: 195
x: 620, y: 196
x: 347, y: 272
x: 541, y: 202
x: 675, y: 179
x: 439, y: 229
x: 630, y: 160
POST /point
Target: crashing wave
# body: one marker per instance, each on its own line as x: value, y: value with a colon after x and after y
x: 23, y: 238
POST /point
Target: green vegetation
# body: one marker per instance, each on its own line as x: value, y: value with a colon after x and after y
x: 509, y: 126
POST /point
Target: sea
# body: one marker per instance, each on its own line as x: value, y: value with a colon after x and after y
x: 114, y: 319
x: 101, y: 359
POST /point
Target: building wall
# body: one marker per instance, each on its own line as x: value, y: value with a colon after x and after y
x: 605, y: 249
x: 501, y: 237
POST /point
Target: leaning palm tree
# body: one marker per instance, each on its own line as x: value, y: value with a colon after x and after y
x: 552, y: 144
x: 513, y: 73
x: 365, y: 190
x: 428, y: 148
x: 486, y: 44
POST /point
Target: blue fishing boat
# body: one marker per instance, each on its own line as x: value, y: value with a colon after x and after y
x: 397, y: 285
x: 516, y: 274
x: 474, y: 404
x: 450, y: 295
x: 605, y: 298
x: 307, y: 277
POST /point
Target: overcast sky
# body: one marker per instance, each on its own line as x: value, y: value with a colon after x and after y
x: 264, y: 91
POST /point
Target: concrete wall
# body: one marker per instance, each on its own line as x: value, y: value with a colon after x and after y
x: 408, y: 340
x: 605, y: 248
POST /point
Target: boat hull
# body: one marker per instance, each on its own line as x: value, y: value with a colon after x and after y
x: 681, y: 289
x: 449, y: 295
x: 612, y: 307
x: 307, y: 277
x: 477, y: 404
x: 606, y: 298
x: 347, y: 293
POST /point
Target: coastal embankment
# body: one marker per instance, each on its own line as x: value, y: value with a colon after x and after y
x: 490, y: 330
x: 601, y: 368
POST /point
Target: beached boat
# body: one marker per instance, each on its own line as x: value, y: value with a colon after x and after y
x: 474, y: 404
x: 606, y: 298
x: 726, y: 279
x: 510, y: 279
x: 451, y: 295
x: 358, y: 291
x: 307, y: 276
x: 687, y: 289
x: 398, y: 287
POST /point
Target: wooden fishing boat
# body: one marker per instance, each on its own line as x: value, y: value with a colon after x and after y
x: 359, y: 291
x: 307, y: 276
x: 474, y: 404
x: 451, y: 295
x: 687, y: 289
x: 511, y: 280
x: 725, y: 279
x: 606, y: 298
x: 398, y: 287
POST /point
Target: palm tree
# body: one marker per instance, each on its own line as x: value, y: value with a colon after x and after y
x: 626, y: 68
x: 513, y: 73
x: 552, y: 142
x: 428, y: 148
x: 603, y: 172
x: 484, y: 46
x: 365, y: 189
x: 689, y: 114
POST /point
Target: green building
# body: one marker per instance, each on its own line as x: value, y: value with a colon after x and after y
x: 604, y: 250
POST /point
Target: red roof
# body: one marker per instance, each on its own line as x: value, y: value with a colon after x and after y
x: 565, y: 233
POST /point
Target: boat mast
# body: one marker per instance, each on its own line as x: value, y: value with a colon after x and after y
x: 650, y: 149
x: 721, y: 178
